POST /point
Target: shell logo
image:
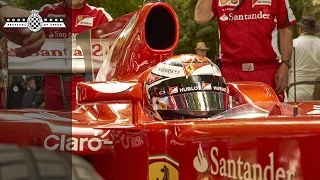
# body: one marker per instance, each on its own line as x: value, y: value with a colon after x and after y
x: 162, y: 167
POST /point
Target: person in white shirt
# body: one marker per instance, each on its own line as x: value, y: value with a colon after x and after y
x: 307, y: 54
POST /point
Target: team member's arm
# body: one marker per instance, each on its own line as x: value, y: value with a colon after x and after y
x: 104, y: 16
x: 30, y: 42
x: 203, y: 12
x: 286, y: 49
x: 285, y: 19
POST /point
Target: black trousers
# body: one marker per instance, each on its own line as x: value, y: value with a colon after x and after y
x: 21, y: 96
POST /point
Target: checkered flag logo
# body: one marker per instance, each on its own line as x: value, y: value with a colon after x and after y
x: 34, y: 22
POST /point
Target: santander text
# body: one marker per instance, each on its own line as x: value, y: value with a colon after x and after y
x: 238, y: 169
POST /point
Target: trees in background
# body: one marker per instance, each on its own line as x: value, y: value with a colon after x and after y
x: 190, y: 32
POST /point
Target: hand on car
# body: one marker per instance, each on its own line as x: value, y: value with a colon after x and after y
x: 30, y: 42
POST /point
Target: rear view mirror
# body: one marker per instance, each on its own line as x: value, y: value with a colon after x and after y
x: 108, y: 92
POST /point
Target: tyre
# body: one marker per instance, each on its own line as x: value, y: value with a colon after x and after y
x: 32, y: 163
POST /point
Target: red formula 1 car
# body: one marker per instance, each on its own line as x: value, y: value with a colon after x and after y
x: 255, y: 137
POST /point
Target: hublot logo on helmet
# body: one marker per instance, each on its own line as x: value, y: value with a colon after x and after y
x: 188, y: 89
x: 169, y: 71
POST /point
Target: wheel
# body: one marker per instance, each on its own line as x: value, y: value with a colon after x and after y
x: 32, y: 163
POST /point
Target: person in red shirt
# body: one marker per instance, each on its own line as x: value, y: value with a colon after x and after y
x: 248, y: 31
x: 79, y: 17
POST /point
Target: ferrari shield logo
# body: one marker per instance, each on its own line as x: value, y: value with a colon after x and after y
x: 80, y: 18
x: 162, y: 167
x: 190, y: 68
x: 84, y: 20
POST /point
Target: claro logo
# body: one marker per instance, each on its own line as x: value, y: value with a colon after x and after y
x: 169, y: 71
x: 65, y: 143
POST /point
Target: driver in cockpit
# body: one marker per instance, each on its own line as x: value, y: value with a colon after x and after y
x: 185, y: 87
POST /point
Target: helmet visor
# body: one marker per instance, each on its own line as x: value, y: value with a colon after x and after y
x: 193, y: 104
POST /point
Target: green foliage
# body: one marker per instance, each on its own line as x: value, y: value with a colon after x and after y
x: 30, y: 4
x: 117, y: 8
x: 190, y: 32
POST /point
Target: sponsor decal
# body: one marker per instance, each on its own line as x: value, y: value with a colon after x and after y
x: 218, y: 88
x: 173, y: 90
x: 239, y: 168
x: 65, y: 143
x: 168, y: 70
x: 189, y: 68
x: 59, y: 34
x: 224, y: 17
x: 242, y: 17
x: 177, y: 89
x: 189, y: 89
x: 316, y: 110
x: 131, y: 141
x: 163, y: 167
x: 55, y: 49
x: 233, y: 3
x: 261, y: 3
x: 84, y: 20
x: 207, y: 86
x: 153, y: 78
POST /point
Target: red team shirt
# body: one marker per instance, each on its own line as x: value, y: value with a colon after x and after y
x: 77, y: 21
x: 250, y: 33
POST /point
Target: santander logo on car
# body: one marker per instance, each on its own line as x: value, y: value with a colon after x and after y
x: 239, y: 167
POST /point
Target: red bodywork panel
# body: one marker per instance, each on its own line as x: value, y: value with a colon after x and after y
x: 258, y: 138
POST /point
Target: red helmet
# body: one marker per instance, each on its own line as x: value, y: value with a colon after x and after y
x: 183, y: 87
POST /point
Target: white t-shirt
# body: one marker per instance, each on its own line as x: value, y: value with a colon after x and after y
x: 307, y: 66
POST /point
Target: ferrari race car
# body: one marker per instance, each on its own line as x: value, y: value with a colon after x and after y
x: 158, y: 116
